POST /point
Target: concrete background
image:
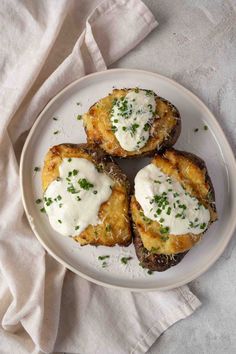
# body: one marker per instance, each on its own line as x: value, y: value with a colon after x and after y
x: 195, y: 44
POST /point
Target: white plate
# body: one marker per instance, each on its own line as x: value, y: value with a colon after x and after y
x: 209, y: 144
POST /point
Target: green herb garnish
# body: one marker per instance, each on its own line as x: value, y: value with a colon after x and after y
x: 164, y: 238
x: 101, y: 258
x: 38, y: 201
x: 36, y: 169
x: 79, y: 117
x: 72, y: 190
x: 54, y: 118
x: 85, y: 184
x: 164, y: 230
x: 56, y: 132
x: 125, y: 260
x: 43, y: 210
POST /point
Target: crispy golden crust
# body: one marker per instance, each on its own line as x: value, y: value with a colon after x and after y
x: 191, y: 172
x: 154, y: 261
x: 115, y: 228
x: 164, y: 132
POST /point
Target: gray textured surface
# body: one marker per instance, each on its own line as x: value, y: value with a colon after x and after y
x: 195, y: 44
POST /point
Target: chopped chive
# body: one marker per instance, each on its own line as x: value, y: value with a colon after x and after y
x: 43, y: 210
x: 104, y: 264
x: 164, y: 230
x: 60, y: 222
x: 77, y: 228
x: 79, y: 117
x: 54, y: 118
x: 69, y: 160
x: 85, y: 184
x: 154, y: 249
x: 202, y: 226
x: 168, y: 211
x: 125, y: 260
x: 150, y: 272
x: 196, y: 130
x: 101, y: 258
x: 164, y: 238
x: 56, y: 132
x: 205, y: 127
x: 38, y: 201
x: 36, y: 169
x: 95, y: 192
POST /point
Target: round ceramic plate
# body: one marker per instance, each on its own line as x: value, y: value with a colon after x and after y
x: 209, y: 143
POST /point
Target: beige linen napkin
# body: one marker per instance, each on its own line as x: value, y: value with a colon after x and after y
x: 43, y: 307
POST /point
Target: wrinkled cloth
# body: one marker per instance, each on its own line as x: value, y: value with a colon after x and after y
x: 43, y: 306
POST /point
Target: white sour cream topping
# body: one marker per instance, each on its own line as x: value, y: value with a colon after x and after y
x: 131, y: 117
x: 163, y: 199
x: 72, y: 201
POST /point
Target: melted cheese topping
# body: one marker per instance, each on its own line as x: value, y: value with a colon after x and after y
x: 163, y: 199
x: 131, y: 117
x: 73, y: 200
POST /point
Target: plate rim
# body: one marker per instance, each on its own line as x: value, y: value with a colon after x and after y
x: 229, y: 153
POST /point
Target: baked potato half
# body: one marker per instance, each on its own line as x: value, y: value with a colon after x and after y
x: 157, y: 246
x: 123, y: 116
x: 114, y: 225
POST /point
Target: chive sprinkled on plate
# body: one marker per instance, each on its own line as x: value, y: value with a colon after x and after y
x: 79, y: 117
x: 38, y: 201
x: 56, y: 132
x: 101, y: 258
x: 37, y: 169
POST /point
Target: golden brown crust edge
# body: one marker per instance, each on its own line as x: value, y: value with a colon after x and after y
x: 115, y: 228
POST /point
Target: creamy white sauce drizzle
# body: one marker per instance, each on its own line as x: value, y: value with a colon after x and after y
x: 163, y: 199
x: 131, y: 117
x: 72, y: 201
